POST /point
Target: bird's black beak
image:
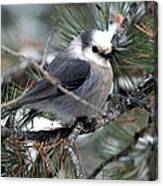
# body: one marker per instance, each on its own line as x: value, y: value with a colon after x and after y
x: 110, y: 54
x: 107, y: 55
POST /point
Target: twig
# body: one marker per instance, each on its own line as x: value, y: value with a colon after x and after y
x: 120, y: 154
x: 68, y: 149
x: 79, y: 158
x: 75, y: 161
x: 42, y: 135
x: 12, y: 102
x: 46, y: 48
x: 53, y: 80
x: 149, y: 34
x: 76, y: 132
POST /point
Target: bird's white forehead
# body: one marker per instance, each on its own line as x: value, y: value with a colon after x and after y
x: 102, y: 38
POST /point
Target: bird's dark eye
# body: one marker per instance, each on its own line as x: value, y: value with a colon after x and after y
x: 111, y: 22
x: 94, y: 49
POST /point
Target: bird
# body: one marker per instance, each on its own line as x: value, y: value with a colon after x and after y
x: 84, y: 68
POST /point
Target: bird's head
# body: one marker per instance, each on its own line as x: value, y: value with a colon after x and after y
x: 97, y: 43
x: 94, y: 46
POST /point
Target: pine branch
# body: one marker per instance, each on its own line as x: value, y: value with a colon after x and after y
x: 126, y: 22
x: 120, y: 154
x: 122, y: 105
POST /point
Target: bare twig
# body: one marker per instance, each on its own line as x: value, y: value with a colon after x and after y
x: 68, y: 147
x: 75, y: 161
x: 14, y: 101
x: 46, y: 47
x: 79, y: 158
x: 148, y: 33
x: 53, y: 80
x: 76, y: 132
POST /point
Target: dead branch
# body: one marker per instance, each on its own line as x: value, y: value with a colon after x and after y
x: 46, y: 47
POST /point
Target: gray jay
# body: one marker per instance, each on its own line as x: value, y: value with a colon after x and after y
x: 84, y: 68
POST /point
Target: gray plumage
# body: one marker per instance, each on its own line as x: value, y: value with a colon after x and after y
x: 81, y: 69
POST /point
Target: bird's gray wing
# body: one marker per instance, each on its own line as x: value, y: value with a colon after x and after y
x: 71, y: 74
